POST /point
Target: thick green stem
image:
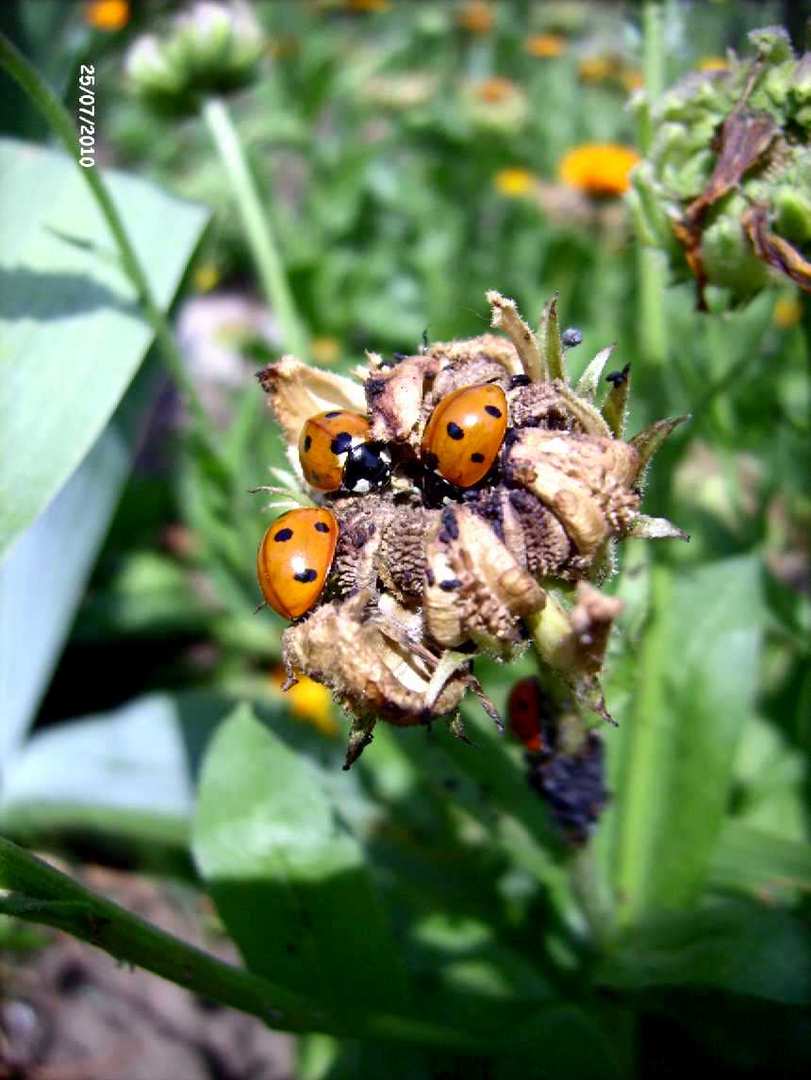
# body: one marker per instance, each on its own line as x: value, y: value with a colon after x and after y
x: 651, y: 263
x: 60, y: 121
x: 257, y: 225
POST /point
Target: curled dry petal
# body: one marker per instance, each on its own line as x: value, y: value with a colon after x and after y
x: 297, y: 391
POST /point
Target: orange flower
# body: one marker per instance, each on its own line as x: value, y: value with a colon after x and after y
x: 599, y: 169
x: 107, y: 14
x: 514, y: 183
x: 545, y: 46
x: 367, y: 5
x: 495, y: 90
x: 476, y: 17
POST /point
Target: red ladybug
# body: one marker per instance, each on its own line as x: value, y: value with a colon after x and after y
x: 464, y: 433
x: 294, y: 558
x: 324, y: 442
x: 525, y: 707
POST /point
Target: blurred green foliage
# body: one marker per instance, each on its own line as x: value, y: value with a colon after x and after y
x: 423, y: 904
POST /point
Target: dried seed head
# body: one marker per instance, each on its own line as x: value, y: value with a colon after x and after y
x: 426, y: 575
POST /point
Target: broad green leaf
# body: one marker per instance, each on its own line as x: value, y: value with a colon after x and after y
x: 128, y: 773
x: 741, y: 947
x: 71, y: 333
x: 43, y: 575
x: 288, y: 878
x: 692, y: 687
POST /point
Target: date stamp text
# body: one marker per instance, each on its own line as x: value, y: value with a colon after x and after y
x: 87, y: 115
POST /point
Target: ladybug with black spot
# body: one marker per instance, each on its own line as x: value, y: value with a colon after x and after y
x: 464, y: 434
x: 324, y: 443
x: 294, y: 559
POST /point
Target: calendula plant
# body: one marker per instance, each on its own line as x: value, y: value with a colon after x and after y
x: 725, y: 187
x: 504, y: 492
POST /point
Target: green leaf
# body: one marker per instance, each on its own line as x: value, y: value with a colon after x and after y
x: 735, y: 946
x: 760, y: 862
x: 43, y: 577
x: 692, y: 691
x: 129, y: 773
x: 71, y: 334
x: 289, y: 880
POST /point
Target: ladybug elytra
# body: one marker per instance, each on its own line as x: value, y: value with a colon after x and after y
x: 464, y: 433
x: 324, y: 443
x: 294, y: 558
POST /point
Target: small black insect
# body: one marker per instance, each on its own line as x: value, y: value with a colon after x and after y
x: 617, y: 378
x: 367, y: 468
x: 571, y: 338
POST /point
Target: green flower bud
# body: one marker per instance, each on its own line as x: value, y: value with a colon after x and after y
x: 726, y: 187
x: 211, y: 48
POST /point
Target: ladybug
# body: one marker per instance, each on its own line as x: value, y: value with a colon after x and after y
x: 525, y: 708
x: 324, y: 443
x: 367, y: 468
x: 464, y: 433
x: 294, y: 558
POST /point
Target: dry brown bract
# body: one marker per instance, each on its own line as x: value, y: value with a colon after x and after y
x: 426, y: 577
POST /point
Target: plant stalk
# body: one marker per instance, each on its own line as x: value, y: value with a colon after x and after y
x: 256, y: 223
x: 29, y: 79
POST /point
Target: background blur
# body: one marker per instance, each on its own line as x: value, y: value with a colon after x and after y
x: 410, y: 156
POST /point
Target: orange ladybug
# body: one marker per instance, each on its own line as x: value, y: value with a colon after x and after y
x: 294, y: 558
x: 525, y: 707
x: 324, y: 443
x: 465, y: 432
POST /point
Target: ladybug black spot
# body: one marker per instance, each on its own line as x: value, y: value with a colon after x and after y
x: 321, y: 526
x: 333, y: 414
x: 305, y: 576
x: 308, y: 442
x: 282, y: 535
x: 477, y: 457
x: 341, y: 443
x: 493, y: 410
x: 455, y: 431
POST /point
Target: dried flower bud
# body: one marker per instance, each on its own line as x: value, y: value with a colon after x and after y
x: 211, y: 47
x: 725, y: 188
x: 427, y: 575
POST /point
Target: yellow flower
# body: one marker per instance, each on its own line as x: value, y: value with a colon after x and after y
x: 713, y: 63
x: 545, y: 46
x: 325, y: 350
x: 206, y: 277
x: 514, y: 183
x: 476, y: 17
x: 107, y: 14
x: 788, y: 310
x: 599, y: 169
x: 595, y: 69
x: 309, y: 702
x: 495, y: 90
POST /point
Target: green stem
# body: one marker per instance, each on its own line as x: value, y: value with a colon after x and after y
x: 651, y: 263
x: 42, y: 894
x: 61, y: 123
x: 257, y: 225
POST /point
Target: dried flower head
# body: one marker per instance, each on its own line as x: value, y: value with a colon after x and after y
x: 427, y: 574
x: 726, y: 188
